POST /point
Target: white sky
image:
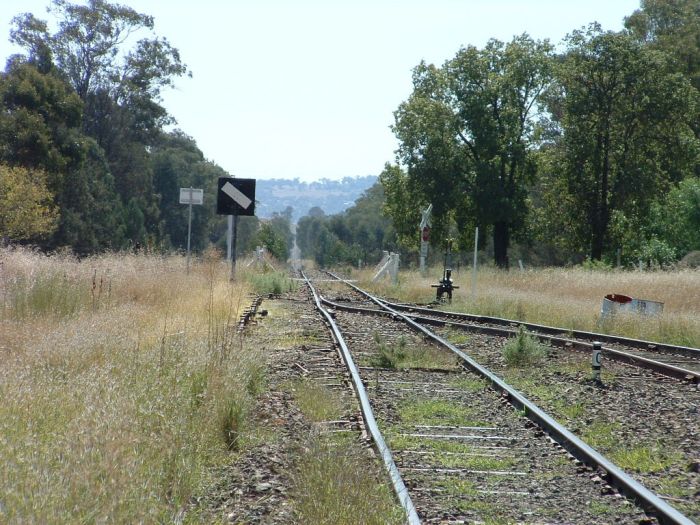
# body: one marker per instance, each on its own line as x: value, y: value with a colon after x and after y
x: 307, y: 88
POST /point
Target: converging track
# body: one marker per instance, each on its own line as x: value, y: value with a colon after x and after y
x: 680, y: 362
x: 456, y: 449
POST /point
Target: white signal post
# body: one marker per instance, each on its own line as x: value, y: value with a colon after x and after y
x: 190, y: 196
x: 595, y: 360
x: 476, y: 248
x: 424, y: 236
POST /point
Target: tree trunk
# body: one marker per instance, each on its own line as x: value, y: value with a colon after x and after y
x: 602, y: 213
x: 500, y: 244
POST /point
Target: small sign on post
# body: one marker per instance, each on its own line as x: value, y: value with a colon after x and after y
x: 190, y: 196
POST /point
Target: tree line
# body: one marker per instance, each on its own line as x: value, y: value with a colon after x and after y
x: 585, y: 150
x: 87, y: 160
x: 589, y: 151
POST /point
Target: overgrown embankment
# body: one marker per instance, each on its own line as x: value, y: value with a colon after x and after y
x: 122, y: 384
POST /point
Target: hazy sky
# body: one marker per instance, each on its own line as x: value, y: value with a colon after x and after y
x: 307, y: 88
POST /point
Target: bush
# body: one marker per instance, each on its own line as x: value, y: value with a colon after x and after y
x: 523, y: 349
x: 691, y: 260
x: 272, y: 283
x: 595, y: 265
x: 388, y: 356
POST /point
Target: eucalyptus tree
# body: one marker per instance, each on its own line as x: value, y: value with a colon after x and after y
x: 89, y: 48
x: 672, y: 26
x: 466, y: 135
x: 40, y: 130
x: 27, y: 210
x: 118, y: 68
x: 623, y: 120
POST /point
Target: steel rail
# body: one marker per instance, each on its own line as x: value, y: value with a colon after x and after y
x: 666, y: 369
x: 371, y: 423
x: 580, y: 450
x: 686, y: 351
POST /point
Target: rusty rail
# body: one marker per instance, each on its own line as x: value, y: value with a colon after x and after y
x: 580, y: 450
x: 371, y: 423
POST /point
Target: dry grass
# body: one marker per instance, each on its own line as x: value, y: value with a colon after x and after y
x: 567, y: 297
x: 333, y: 484
x: 119, y: 382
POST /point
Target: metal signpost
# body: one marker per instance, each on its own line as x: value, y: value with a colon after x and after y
x: 476, y: 248
x: 190, y: 196
x: 235, y: 197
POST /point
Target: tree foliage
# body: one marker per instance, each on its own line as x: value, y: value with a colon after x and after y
x: 360, y: 233
x: 466, y: 135
x: 671, y: 26
x: 623, y: 136
x: 27, y: 210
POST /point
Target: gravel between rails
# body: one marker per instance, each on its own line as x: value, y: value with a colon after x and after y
x: 647, y: 423
x: 633, y: 410
x: 257, y: 485
x: 524, y: 477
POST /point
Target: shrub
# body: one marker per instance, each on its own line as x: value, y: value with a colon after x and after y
x: 388, y: 356
x: 523, y: 349
x: 691, y: 259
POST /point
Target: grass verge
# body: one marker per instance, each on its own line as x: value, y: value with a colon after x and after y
x: 333, y: 485
x: 569, y: 298
x: 122, y: 385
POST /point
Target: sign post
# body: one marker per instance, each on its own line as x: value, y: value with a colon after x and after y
x: 476, y: 248
x: 190, y: 196
x: 424, y: 236
x: 235, y: 197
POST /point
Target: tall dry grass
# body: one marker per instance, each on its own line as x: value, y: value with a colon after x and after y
x: 570, y: 298
x: 122, y: 383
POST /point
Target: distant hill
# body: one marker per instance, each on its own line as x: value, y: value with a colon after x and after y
x: 332, y: 196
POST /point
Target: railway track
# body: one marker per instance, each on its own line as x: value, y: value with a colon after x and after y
x: 680, y: 362
x: 461, y: 452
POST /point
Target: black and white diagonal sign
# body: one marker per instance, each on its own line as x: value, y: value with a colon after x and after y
x: 235, y: 196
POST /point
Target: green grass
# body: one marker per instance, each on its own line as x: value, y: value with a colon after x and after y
x: 232, y: 415
x: 271, y: 282
x: 645, y: 458
x: 469, y: 384
x: 573, y: 410
x: 473, y: 462
x: 400, y: 355
x: 388, y: 356
x: 674, y: 487
x: 316, y: 402
x: 523, y: 380
x: 335, y: 484
x: 523, y: 350
x: 600, y: 508
x: 601, y: 434
x: 402, y: 442
x: 458, y: 337
x: 438, y: 412
x: 46, y: 294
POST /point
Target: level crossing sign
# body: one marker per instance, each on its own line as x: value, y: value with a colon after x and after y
x: 235, y: 196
